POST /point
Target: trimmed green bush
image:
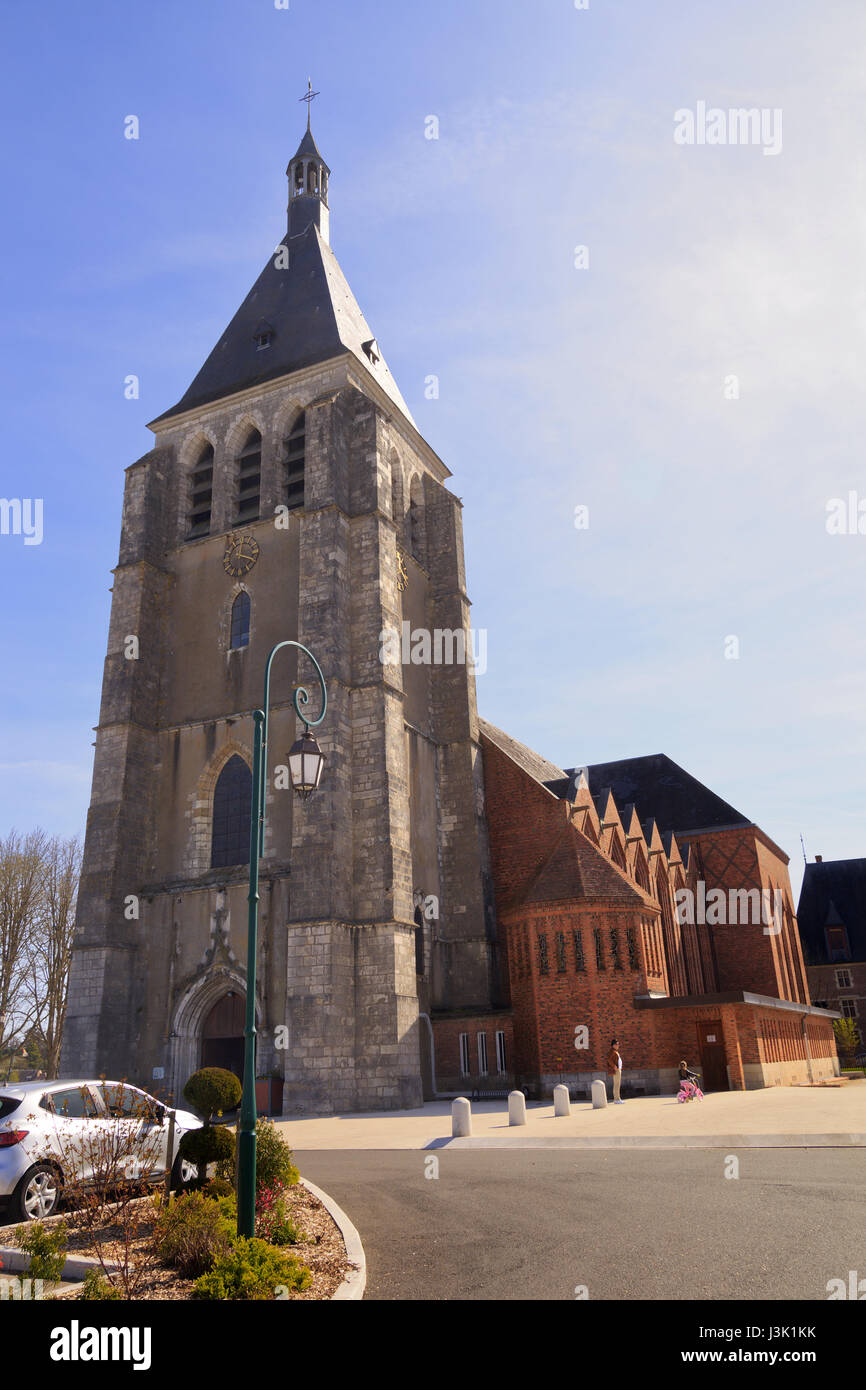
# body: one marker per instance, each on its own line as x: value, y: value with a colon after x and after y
x: 252, y: 1269
x: 212, y: 1144
x: 192, y: 1233
x: 213, y: 1090
x: 46, y: 1248
x: 97, y: 1288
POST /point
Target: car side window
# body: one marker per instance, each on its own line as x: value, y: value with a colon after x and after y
x: 74, y: 1104
x: 123, y: 1102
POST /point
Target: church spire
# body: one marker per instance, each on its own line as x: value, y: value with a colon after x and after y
x: 308, y: 181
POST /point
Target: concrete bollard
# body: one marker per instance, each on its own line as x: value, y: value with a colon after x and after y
x: 516, y: 1108
x: 599, y: 1095
x: 461, y: 1118
x: 561, y: 1102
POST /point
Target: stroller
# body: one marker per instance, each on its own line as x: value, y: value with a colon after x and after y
x: 689, y: 1088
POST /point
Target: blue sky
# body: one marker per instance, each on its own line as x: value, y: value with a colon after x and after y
x: 559, y: 387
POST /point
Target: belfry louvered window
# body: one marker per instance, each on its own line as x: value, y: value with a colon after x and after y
x: 296, y: 445
x: 232, y: 806
x: 201, y: 495
x: 249, y: 479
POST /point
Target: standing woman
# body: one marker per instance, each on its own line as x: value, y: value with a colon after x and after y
x: 614, y: 1068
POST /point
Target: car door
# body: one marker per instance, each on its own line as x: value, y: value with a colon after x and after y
x: 135, y: 1130
x: 73, y: 1129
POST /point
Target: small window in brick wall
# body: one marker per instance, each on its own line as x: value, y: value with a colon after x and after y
x: 560, y: 952
x: 599, y: 949
x: 577, y: 941
x: 501, y: 1058
x: 464, y: 1054
x: 614, y: 949
x: 631, y: 943
x: 543, y: 962
x: 482, y: 1054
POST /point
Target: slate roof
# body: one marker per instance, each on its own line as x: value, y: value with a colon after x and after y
x: 314, y: 317
x: 664, y: 792
x: 833, y: 892
x: 308, y: 149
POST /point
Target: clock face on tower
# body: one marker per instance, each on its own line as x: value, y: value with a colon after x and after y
x: 240, y: 555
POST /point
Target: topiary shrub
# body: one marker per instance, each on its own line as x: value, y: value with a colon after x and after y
x: 46, y: 1248
x: 252, y: 1269
x: 274, y: 1160
x: 192, y: 1233
x: 213, y: 1090
x: 207, y: 1145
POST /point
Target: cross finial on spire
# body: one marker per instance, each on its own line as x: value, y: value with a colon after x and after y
x: 309, y: 97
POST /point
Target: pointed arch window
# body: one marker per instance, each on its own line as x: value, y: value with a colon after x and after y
x: 232, y: 805
x: 249, y: 474
x: 296, y: 448
x: 201, y: 494
x: 241, y: 621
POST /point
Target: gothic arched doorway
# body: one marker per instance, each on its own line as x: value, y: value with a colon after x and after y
x: 222, y: 1034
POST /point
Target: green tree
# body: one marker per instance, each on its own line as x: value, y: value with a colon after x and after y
x: 847, y: 1038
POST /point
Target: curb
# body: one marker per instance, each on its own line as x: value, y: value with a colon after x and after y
x: 666, y: 1141
x: 75, y: 1267
x: 355, y: 1282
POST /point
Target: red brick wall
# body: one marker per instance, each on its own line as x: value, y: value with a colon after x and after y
x: 548, y: 1006
x: 748, y: 958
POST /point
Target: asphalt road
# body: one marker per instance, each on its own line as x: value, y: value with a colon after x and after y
x: 626, y: 1225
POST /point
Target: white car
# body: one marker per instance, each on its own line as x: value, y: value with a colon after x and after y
x: 77, y: 1134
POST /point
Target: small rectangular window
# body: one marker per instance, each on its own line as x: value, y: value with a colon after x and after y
x: 614, y: 949
x: 599, y: 949
x: 560, y: 953
x: 464, y: 1054
x: 848, y: 1008
x: 631, y: 942
x: 543, y: 962
x: 482, y: 1054
x: 577, y: 941
x: 501, y: 1058
x: 843, y: 979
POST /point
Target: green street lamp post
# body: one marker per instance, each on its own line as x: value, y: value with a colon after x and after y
x: 306, y: 761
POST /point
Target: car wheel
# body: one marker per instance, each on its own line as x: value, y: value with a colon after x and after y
x: 37, y: 1194
x: 183, y: 1172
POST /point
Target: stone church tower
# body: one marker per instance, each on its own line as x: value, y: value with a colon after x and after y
x: 288, y: 495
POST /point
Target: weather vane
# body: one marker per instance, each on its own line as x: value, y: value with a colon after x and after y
x: 309, y: 97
